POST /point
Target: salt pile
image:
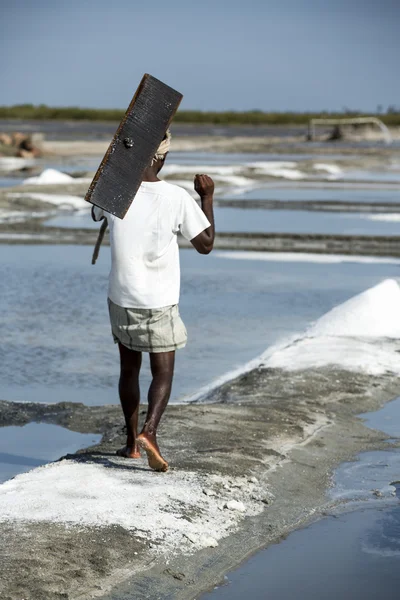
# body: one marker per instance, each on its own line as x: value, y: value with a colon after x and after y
x: 373, y: 313
x: 52, y: 176
x: 280, y: 169
x: 229, y: 175
x: 14, y: 163
x: 95, y: 495
x: 63, y: 201
x: 48, y: 177
x: 241, y: 175
x: 334, y: 171
x: 362, y: 334
x: 274, y: 168
x: 172, y: 169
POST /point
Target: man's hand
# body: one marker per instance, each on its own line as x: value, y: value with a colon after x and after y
x: 204, y: 186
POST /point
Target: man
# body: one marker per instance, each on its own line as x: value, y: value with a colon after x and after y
x: 143, y: 292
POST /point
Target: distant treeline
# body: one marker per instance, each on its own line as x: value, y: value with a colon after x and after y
x: 252, y: 117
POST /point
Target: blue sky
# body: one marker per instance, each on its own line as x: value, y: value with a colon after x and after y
x: 254, y: 54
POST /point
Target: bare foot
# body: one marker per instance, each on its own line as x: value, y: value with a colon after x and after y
x: 129, y: 452
x: 148, y: 443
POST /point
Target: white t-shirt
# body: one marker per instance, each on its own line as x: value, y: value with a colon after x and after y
x: 145, y: 271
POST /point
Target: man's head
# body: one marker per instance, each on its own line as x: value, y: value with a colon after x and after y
x: 159, y: 158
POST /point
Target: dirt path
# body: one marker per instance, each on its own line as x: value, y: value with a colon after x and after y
x: 268, y: 442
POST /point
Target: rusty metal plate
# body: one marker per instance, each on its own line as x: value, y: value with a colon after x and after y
x: 133, y: 146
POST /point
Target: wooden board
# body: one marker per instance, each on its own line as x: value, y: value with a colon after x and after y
x: 133, y: 146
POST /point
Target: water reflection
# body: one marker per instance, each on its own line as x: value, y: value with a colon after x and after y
x: 354, y: 557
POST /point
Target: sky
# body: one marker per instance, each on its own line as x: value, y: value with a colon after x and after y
x: 271, y: 55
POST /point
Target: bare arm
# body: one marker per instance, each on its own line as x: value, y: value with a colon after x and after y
x: 204, y: 186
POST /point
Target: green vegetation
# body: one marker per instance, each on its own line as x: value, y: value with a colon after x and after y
x: 253, y: 117
x: 67, y: 113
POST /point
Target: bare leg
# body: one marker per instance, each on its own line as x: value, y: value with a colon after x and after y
x: 129, y: 394
x: 162, y: 370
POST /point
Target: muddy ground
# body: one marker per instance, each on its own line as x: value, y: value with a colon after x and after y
x: 286, y: 430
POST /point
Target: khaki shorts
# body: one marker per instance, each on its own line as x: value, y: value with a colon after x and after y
x: 147, y: 329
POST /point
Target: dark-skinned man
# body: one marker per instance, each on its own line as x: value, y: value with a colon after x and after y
x: 143, y: 294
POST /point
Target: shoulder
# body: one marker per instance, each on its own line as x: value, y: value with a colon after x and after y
x: 174, y: 191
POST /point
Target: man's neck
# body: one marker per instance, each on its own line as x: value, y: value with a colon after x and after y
x: 150, y: 175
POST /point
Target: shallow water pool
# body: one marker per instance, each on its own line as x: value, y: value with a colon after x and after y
x: 355, y: 556
x: 56, y: 341
x: 36, y: 444
x: 335, y: 192
x: 242, y: 220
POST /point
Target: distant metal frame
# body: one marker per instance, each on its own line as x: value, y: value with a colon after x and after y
x: 354, y: 121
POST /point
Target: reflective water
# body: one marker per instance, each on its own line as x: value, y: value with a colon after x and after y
x: 276, y: 221
x: 335, y: 193
x: 387, y: 419
x: 35, y: 444
x: 10, y: 181
x: 354, y: 556
x: 56, y: 342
